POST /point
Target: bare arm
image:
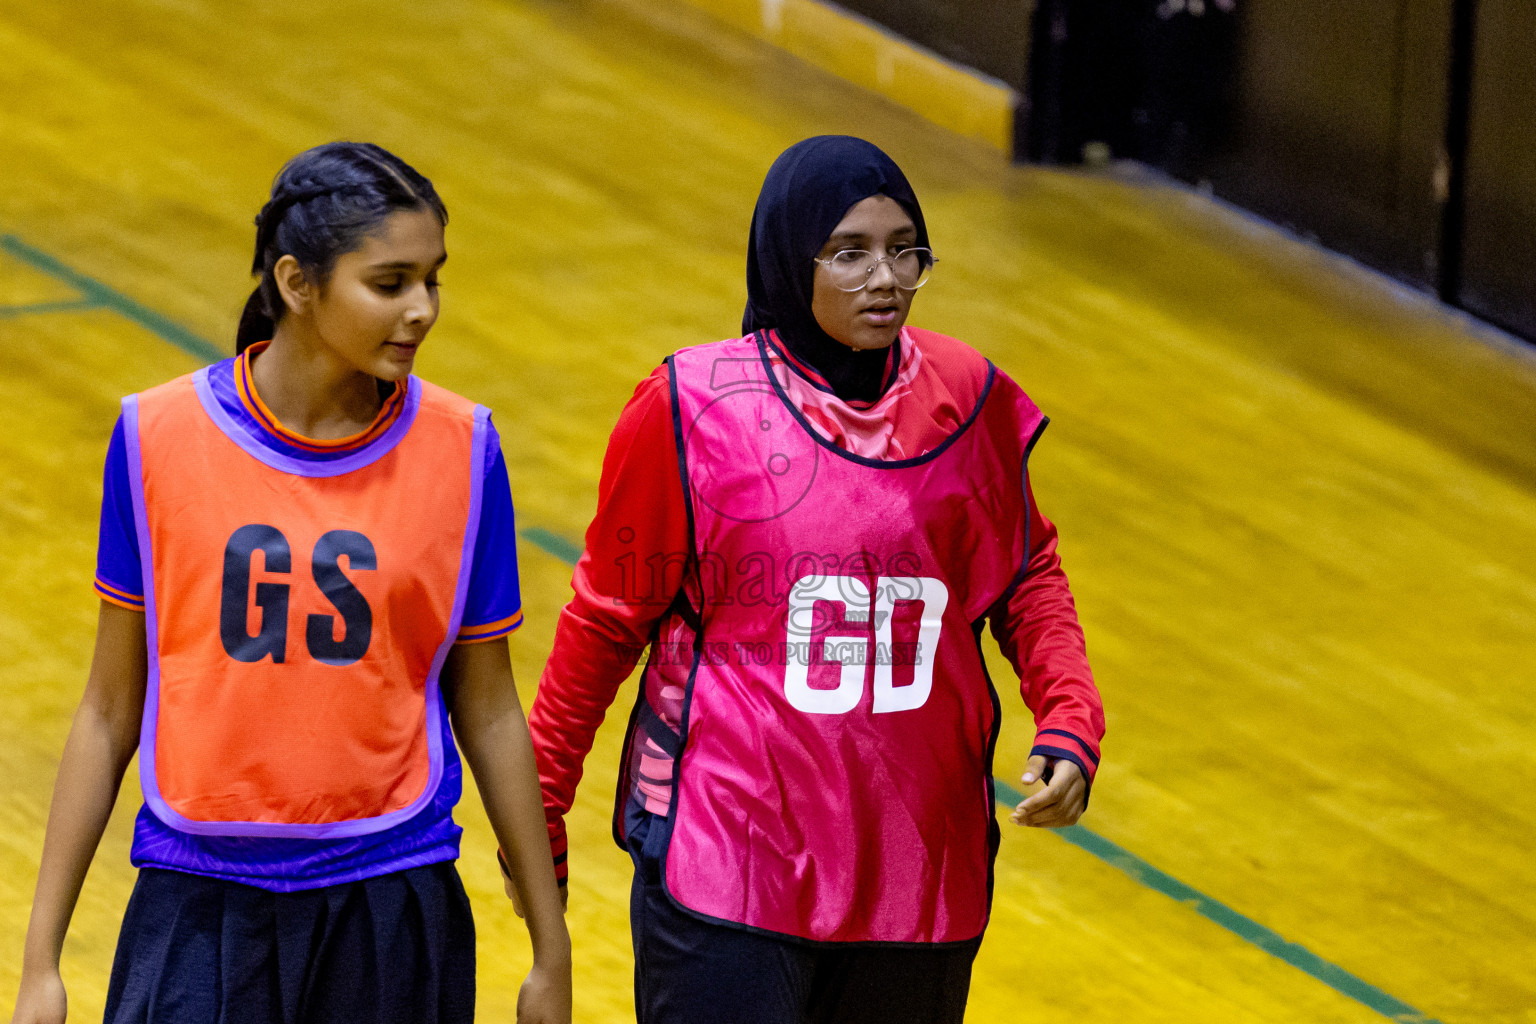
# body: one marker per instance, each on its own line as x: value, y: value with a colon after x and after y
x: 101, y: 742
x: 489, y: 725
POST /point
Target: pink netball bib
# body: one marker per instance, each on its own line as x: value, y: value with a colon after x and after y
x: 829, y: 776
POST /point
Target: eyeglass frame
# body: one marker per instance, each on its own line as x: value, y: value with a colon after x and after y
x: 870, y: 273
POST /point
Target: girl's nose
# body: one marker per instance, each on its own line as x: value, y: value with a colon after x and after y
x: 422, y: 309
x: 884, y: 273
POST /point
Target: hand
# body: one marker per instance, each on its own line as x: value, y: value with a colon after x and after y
x: 511, y: 890
x: 545, y: 997
x: 41, y: 999
x: 1060, y: 803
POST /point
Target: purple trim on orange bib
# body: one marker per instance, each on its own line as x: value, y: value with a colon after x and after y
x: 149, y: 782
x: 253, y: 446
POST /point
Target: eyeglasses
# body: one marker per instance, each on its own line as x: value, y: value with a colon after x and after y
x: 851, y: 269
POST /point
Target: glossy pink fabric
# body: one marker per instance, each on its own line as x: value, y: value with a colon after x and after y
x: 861, y: 821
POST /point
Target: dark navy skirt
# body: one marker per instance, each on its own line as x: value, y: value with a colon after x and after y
x: 397, y: 948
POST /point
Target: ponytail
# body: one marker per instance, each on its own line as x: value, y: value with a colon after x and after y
x: 256, y: 324
x: 324, y: 202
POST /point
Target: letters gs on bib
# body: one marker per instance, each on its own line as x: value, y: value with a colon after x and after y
x: 858, y: 605
x: 272, y: 598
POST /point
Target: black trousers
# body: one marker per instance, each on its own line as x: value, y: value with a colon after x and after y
x: 397, y: 949
x: 689, y: 971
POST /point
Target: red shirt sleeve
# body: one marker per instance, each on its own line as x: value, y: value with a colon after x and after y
x: 641, y: 516
x: 1036, y: 626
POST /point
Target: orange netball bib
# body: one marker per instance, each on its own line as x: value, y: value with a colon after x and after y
x: 298, y: 613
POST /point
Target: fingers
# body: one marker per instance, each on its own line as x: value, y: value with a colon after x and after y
x: 1058, y: 804
x: 1035, y: 769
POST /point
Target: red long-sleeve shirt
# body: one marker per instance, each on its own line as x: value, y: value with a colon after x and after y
x: 642, y: 515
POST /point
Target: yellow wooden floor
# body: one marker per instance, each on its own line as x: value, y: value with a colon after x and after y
x: 1298, y: 505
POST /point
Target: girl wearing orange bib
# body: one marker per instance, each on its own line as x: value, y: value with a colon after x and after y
x: 308, y: 573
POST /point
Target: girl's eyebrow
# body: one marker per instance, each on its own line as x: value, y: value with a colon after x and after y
x: 859, y: 236
x: 406, y: 264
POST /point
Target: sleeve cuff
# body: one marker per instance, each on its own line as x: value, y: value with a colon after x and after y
x: 490, y: 630
x: 1061, y: 743
x: 558, y: 849
x: 121, y: 598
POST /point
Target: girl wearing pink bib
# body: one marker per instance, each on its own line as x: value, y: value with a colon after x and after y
x: 809, y: 526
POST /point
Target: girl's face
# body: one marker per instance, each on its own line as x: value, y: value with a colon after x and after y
x: 381, y: 299
x: 874, y: 315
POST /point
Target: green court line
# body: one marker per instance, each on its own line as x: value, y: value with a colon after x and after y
x: 100, y: 294
x: 65, y: 306
x: 1246, y: 928
x: 1332, y: 975
x: 552, y: 543
x: 95, y: 294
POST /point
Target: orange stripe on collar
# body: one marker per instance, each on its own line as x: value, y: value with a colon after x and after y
x: 258, y: 410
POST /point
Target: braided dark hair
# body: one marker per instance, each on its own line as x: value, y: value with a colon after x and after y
x: 325, y: 201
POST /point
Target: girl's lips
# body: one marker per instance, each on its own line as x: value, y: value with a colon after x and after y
x: 879, y: 317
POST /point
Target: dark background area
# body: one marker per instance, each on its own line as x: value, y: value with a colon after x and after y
x: 1338, y: 125
x: 982, y: 34
x: 1400, y: 132
x: 1498, y: 244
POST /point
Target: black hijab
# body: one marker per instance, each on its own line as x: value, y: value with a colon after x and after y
x: 809, y: 189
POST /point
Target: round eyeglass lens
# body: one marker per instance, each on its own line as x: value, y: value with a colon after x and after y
x: 851, y: 269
